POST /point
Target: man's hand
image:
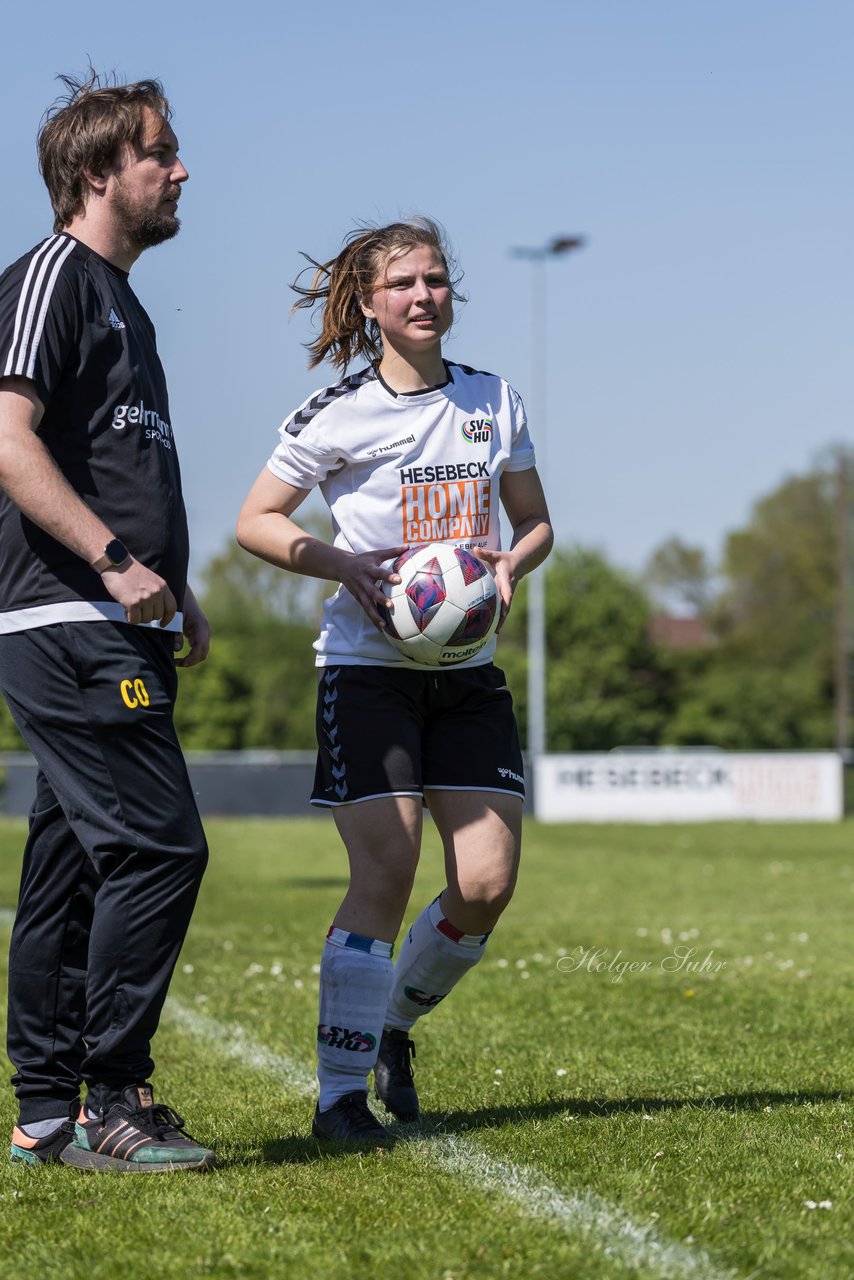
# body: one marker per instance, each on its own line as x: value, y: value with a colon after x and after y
x: 197, y: 630
x: 144, y: 594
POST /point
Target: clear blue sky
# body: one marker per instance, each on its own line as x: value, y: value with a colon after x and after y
x: 700, y: 346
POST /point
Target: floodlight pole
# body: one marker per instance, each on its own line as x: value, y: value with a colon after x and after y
x: 537, y: 738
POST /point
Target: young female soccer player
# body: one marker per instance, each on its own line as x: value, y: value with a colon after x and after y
x: 411, y: 449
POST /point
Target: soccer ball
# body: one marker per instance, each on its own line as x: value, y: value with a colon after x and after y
x: 445, y: 607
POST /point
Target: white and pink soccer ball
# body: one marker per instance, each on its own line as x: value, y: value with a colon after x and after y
x: 445, y: 607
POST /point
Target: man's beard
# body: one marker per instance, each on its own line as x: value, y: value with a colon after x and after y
x: 144, y: 228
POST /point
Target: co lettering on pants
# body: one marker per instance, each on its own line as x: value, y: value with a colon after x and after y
x: 134, y: 693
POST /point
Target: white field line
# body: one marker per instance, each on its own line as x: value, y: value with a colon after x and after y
x: 608, y: 1228
x: 231, y: 1041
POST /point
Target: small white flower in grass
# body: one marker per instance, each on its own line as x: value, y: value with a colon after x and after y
x: 521, y: 964
x: 201, y: 999
x: 253, y: 970
x: 298, y: 984
x: 315, y: 968
x: 502, y: 964
x: 187, y: 968
x: 658, y: 1155
x: 825, y: 1204
x: 561, y: 951
x: 642, y: 933
x: 525, y: 974
x: 561, y: 1071
x: 538, y: 957
x: 689, y: 1240
x: 498, y: 1071
x: 227, y: 945
x: 839, y: 1156
x: 666, y: 936
x: 767, y: 1110
x: 275, y: 970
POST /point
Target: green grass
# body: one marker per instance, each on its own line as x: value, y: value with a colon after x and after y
x: 577, y: 1123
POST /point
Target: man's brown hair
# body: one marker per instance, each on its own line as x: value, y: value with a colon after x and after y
x: 84, y: 131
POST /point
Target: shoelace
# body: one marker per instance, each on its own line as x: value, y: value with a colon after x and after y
x: 360, y: 1115
x: 401, y: 1059
x: 158, y: 1119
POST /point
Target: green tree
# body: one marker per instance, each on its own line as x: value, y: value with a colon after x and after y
x: 768, y: 682
x: 681, y: 574
x: 606, y: 685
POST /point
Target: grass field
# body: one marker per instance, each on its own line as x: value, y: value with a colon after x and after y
x: 594, y: 1105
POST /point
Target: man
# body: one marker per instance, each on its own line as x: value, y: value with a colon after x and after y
x: 93, y: 606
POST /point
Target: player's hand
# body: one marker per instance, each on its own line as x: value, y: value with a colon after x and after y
x: 197, y: 631
x: 363, y: 573
x: 145, y: 595
x: 503, y: 566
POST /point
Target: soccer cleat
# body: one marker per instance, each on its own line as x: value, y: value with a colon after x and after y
x: 350, y: 1119
x: 47, y: 1150
x: 393, y: 1079
x: 135, y: 1135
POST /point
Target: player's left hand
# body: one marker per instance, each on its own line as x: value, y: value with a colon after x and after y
x: 502, y: 565
x: 197, y: 630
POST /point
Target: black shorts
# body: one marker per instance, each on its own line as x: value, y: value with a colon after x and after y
x: 391, y: 731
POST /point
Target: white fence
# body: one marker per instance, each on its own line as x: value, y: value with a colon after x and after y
x: 689, y: 786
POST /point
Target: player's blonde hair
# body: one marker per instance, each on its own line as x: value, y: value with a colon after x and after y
x: 345, y: 281
x: 85, y: 130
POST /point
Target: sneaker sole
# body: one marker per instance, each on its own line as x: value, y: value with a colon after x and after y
x: 80, y: 1158
x: 19, y: 1156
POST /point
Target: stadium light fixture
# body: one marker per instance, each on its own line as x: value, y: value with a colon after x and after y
x: 538, y: 255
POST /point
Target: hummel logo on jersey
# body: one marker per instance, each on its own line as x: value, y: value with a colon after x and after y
x: 115, y: 322
x: 389, y: 448
x: 477, y: 430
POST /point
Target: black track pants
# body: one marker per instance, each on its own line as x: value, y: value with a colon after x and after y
x: 112, y: 864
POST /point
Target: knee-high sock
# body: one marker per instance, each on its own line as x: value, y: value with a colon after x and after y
x: 355, y: 980
x: 433, y: 957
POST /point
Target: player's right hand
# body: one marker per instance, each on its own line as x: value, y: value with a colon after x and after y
x: 145, y: 595
x: 363, y: 573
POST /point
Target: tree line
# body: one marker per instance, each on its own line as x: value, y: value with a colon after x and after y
x: 764, y: 674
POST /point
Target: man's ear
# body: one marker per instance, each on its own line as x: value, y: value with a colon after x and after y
x: 97, y: 181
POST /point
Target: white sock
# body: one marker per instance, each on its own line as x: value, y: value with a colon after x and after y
x: 356, y: 974
x: 434, y: 955
x: 41, y: 1128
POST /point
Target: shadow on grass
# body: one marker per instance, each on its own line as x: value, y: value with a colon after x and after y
x: 434, y: 1124
x: 493, y: 1117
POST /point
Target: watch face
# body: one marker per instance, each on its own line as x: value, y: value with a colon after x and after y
x: 116, y: 552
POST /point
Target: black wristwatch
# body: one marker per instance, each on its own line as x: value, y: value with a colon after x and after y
x: 115, y: 554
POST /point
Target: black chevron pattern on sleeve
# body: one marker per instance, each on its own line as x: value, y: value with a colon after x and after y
x: 329, y: 394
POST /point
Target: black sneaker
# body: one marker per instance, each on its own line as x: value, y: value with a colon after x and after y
x: 47, y: 1150
x: 135, y: 1136
x: 393, y: 1079
x: 350, y: 1119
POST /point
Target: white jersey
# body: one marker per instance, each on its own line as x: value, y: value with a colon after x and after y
x: 402, y: 470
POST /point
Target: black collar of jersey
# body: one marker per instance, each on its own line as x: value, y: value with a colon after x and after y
x: 423, y: 391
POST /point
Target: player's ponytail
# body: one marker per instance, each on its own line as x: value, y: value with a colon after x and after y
x: 341, y: 284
